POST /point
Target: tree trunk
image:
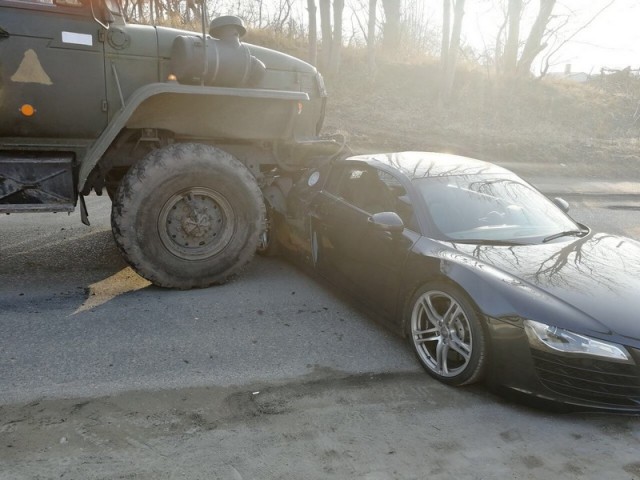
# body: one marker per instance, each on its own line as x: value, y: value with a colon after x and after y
x: 391, y: 29
x: 371, y: 38
x: 446, y: 38
x: 534, y: 44
x: 325, y: 26
x: 454, y: 46
x: 510, y: 58
x: 159, y: 8
x: 338, y: 8
x: 313, y: 32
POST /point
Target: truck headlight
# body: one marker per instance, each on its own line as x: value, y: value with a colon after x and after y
x: 558, y: 340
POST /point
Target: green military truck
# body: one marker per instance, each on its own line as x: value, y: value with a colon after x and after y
x: 184, y: 131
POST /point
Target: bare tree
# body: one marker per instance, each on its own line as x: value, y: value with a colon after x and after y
x: 515, y: 59
x: 452, y: 48
x: 417, y: 32
x: 534, y: 44
x: 446, y: 37
x: 331, y: 37
x: 313, y: 32
x: 336, y: 47
x: 510, y: 58
x: 260, y: 5
x: 359, y: 21
x: 371, y: 37
x: 191, y: 9
x: 284, y: 12
x: 498, y: 51
x: 327, y: 37
x: 561, y: 43
x: 391, y: 30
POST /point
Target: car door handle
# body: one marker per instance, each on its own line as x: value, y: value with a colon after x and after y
x: 3, y: 33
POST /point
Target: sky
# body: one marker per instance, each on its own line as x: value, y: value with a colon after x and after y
x: 611, y: 41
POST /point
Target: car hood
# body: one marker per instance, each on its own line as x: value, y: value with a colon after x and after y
x: 598, y: 274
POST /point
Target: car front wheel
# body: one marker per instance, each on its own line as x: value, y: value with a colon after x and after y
x: 446, y: 335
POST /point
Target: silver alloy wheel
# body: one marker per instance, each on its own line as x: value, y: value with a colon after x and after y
x: 196, y: 223
x: 441, y: 333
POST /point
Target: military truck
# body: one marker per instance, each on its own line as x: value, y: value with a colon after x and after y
x: 183, y: 131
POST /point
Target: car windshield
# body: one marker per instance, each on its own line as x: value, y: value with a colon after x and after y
x: 489, y: 208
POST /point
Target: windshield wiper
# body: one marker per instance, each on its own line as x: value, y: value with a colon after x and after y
x: 566, y: 233
x: 479, y: 241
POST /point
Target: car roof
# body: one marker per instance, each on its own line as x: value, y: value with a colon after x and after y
x: 429, y: 164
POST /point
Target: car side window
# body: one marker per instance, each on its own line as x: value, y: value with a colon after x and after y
x: 348, y: 186
x: 362, y: 187
x: 401, y: 202
x: 373, y: 191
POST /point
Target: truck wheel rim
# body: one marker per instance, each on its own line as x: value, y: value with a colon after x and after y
x: 196, y: 223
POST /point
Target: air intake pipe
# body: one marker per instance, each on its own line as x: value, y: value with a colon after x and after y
x: 229, y: 62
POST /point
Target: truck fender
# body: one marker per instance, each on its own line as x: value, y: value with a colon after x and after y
x: 131, y: 111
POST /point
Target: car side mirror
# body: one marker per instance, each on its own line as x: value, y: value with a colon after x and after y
x: 387, y: 222
x: 562, y: 204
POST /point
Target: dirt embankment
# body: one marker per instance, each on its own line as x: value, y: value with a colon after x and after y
x: 370, y: 427
x: 593, y: 129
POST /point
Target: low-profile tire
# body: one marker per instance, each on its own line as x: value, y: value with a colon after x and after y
x: 446, y: 334
x: 188, y: 216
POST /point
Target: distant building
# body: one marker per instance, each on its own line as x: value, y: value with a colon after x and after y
x: 578, y: 77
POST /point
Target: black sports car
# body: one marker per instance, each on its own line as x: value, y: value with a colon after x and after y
x: 486, y: 277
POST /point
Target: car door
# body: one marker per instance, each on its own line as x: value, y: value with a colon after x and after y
x: 52, y: 80
x: 350, y: 250
x: 336, y: 226
x: 382, y: 255
x: 324, y: 220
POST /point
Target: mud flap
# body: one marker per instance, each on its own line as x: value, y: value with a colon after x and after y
x: 84, y: 216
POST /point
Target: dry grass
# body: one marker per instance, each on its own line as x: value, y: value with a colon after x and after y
x: 489, y: 117
x: 515, y: 119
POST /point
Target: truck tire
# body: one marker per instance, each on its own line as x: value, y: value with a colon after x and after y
x: 188, y: 216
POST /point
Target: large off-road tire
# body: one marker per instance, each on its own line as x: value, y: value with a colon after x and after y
x: 188, y: 216
x: 446, y: 334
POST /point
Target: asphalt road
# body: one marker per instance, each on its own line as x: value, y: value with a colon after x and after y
x: 76, y: 321
x: 273, y: 375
